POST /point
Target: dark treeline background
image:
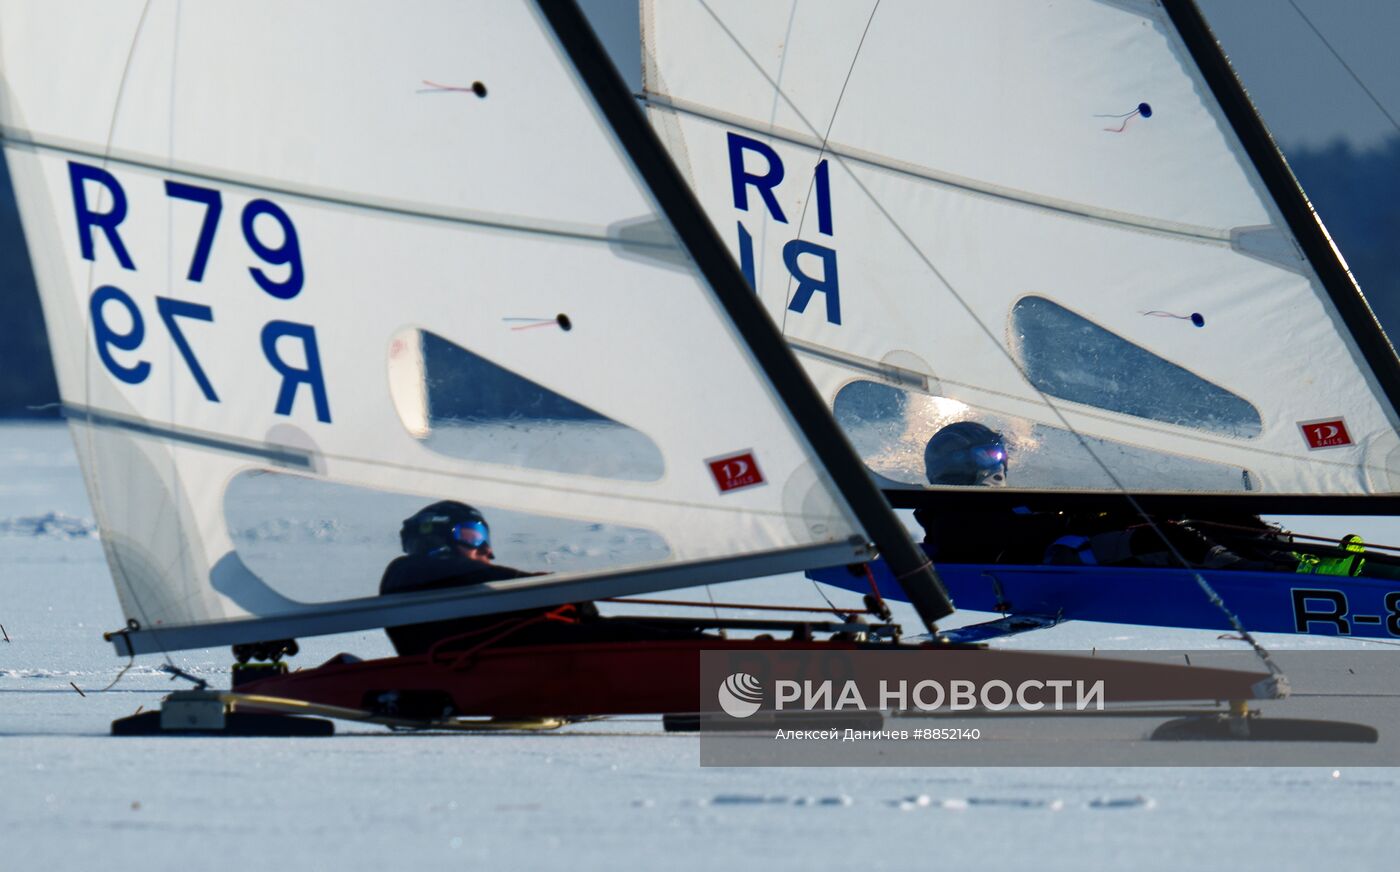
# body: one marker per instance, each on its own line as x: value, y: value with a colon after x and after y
x: 1356, y: 192
x: 26, y: 372
x: 1358, y: 196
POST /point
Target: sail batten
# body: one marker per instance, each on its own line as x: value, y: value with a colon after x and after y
x: 145, y: 427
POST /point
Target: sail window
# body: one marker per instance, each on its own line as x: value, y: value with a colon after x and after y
x: 1070, y: 357
x: 310, y: 540
x: 462, y: 405
x: 890, y: 426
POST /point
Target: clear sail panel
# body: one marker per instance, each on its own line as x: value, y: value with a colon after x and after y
x: 891, y: 429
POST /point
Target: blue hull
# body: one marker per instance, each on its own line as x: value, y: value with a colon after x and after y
x: 1266, y: 602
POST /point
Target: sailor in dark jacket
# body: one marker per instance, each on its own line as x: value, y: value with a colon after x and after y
x: 446, y: 544
x: 969, y: 454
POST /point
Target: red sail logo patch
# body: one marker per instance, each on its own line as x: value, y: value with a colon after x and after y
x: 1325, y: 434
x: 735, y: 471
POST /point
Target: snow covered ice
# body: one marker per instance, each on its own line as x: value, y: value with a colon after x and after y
x: 607, y: 795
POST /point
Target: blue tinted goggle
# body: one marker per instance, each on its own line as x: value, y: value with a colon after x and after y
x: 473, y: 534
x: 989, y: 456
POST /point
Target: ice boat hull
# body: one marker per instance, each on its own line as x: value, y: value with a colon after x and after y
x: 1266, y: 602
x: 664, y: 677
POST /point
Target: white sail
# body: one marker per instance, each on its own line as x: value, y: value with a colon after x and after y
x: 249, y: 220
x: 1031, y: 215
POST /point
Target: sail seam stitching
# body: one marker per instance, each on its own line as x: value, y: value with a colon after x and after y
x: 8, y: 137
x: 1192, y: 232
x: 157, y: 431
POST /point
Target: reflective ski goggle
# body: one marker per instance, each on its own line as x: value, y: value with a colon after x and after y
x: 989, y: 456
x: 473, y: 534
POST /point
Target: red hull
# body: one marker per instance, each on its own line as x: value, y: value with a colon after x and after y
x: 610, y: 678
x: 663, y: 677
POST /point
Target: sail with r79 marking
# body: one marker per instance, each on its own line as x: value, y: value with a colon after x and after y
x: 309, y: 266
x: 1061, y: 221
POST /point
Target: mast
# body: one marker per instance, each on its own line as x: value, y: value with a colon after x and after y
x: 911, y: 567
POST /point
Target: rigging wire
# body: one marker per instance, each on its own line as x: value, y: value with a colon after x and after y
x: 94, y: 482
x: 818, y: 588
x: 709, y: 590
x: 1323, y: 540
x: 1346, y: 66
x: 778, y: 94
x: 1206, y: 588
x: 821, y: 152
x: 758, y: 607
x: 759, y: 270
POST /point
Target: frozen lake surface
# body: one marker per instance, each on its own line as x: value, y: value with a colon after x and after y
x: 608, y: 795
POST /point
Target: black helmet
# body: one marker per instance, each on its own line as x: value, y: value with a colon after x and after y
x: 439, y: 525
x: 966, y: 453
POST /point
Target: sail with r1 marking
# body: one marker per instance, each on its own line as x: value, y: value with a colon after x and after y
x: 293, y: 295
x: 1060, y: 221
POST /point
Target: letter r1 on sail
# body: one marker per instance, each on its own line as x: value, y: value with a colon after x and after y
x: 293, y: 296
